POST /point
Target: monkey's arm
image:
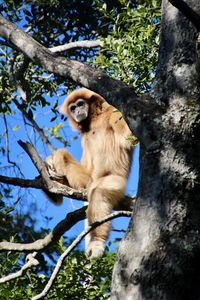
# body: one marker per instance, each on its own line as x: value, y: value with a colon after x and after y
x: 64, y: 164
x: 122, y: 130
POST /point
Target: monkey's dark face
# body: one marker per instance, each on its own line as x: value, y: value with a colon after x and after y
x: 79, y: 110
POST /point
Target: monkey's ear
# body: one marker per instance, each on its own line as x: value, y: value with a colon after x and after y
x: 63, y: 108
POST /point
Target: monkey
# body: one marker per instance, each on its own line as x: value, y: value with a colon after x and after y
x: 106, y: 159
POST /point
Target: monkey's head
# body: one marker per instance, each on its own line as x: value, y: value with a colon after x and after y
x: 79, y: 110
x: 81, y: 107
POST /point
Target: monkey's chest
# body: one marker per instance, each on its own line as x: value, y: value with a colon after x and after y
x: 102, y: 151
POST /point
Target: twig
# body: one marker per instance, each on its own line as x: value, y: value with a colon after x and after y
x: 187, y: 11
x: 73, y: 245
x: 33, y: 122
x: 15, y: 78
x: 7, y: 141
x: 31, y: 261
x: 7, y: 145
x: 78, y: 44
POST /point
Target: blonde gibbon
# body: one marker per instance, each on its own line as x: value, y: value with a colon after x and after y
x: 106, y: 159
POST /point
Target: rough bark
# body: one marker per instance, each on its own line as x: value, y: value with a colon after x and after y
x: 160, y: 255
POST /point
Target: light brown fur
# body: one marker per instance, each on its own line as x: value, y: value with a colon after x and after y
x: 105, y: 162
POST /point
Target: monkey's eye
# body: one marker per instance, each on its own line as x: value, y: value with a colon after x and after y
x: 80, y: 103
x: 72, y: 108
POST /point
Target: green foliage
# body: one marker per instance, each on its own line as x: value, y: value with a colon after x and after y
x: 130, y: 48
x: 79, y: 279
x: 129, y: 30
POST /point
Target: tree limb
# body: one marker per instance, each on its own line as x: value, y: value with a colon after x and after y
x: 187, y: 11
x: 78, y: 44
x: 31, y: 261
x: 53, y: 187
x: 41, y: 167
x: 56, y: 187
x: 73, y: 245
x: 68, y: 222
x: 136, y: 109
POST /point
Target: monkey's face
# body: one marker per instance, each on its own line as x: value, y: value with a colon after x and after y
x: 79, y: 110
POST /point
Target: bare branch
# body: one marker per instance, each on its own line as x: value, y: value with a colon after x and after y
x: 7, y: 146
x: 52, y: 188
x: 33, y: 122
x: 187, y: 11
x: 70, y: 220
x: 61, y: 189
x: 7, y: 142
x: 56, y: 187
x: 31, y: 261
x: 78, y: 44
x: 15, y: 78
x: 73, y: 245
x: 32, y: 183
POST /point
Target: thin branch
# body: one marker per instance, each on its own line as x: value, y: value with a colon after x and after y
x: 31, y: 261
x: 15, y: 78
x: 26, y: 183
x: 187, y: 11
x: 7, y: 142
x: 73, y: 245
x: 67, y: 223
x: 78, y: 44
x: 56, y: 187
x: 39, y: 130
x: 53, y: 187
x: 7, y: 146
x: 36, y: 159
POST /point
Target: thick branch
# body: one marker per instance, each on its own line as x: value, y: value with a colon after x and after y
x: 78, y: 44
x: 51, y: 186
x: 135, y: 109
x: 73, y: 245
x: 80, y: 73
x: 187, y: 11
x: 56, y: 187
x: 48, y: 185
x: 60, y: 189
x: 70, y: 220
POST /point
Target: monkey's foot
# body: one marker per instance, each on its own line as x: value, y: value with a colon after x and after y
x: 52, y: 172
x: 95, y: 249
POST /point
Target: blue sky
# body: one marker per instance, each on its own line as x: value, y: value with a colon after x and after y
x: 47, y: 214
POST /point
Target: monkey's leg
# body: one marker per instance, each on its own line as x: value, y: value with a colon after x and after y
x: 76, y: 175
x: 103, y: 195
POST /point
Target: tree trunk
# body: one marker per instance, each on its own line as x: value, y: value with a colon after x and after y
x: 160, y: 256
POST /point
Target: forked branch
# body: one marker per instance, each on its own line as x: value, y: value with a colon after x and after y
x: 73, y: 245
x: 30, y: 262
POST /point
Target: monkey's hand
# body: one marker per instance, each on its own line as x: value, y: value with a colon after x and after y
x: 52, y: 171
x: 95, y: 249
